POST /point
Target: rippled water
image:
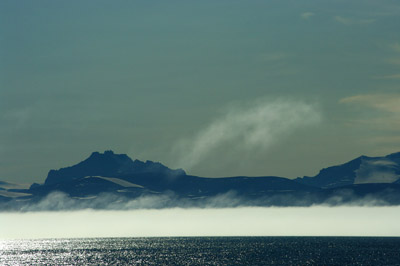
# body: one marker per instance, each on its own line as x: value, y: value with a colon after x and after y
x: 203, y: 251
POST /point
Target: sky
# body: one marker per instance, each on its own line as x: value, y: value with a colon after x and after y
x: 218, y: 88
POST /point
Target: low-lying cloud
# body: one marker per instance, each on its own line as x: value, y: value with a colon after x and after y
x: 255, y: 221
x: 59, y: 201
x: 245, y: 129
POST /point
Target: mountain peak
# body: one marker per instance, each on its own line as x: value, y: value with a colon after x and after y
x: 395, y: 155
x: 108, y: 164
x: 363, y: 169
x: 106, y: 153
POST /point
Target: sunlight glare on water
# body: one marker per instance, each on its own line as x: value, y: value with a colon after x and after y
x: 202, y: 251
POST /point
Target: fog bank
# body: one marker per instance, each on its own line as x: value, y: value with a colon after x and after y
x: 249, y: 221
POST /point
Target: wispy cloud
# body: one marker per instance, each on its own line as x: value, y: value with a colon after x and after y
x: 353, y: 21
x: 307, y: 15
x: 394, y: 76
x: 383, y: 102
x: 393, y: 61
x: 385, y: 140
x: 247, y: 129
x: 383, y: 125
x: 18, y: 117
x: 393, y: 58
x: 395, y: 47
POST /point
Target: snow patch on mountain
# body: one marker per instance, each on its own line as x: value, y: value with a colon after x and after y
x: 376, y: 170
x: 117, y: 181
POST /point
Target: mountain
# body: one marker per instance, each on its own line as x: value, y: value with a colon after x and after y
x: 362, y: 170
x: 110, y: 165
x: 107, y: 172
x: 109, y: 180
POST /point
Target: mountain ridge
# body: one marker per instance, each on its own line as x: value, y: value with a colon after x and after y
x: 108, y: 164
x: 363, y: 169
x: 108, y: 173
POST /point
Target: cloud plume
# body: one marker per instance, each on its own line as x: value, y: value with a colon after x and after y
x: 244, y: 129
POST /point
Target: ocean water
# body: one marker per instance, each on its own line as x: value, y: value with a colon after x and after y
x: 203, y: 251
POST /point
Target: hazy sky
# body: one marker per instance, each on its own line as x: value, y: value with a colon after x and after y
x: 218, y: 88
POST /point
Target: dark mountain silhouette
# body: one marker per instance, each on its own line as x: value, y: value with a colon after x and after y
x: 362, y: 170
x: 359, y: 181
x: 109, y: 164
x: 104, y: 172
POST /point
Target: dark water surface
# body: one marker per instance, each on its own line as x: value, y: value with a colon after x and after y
x: 203, y: 251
